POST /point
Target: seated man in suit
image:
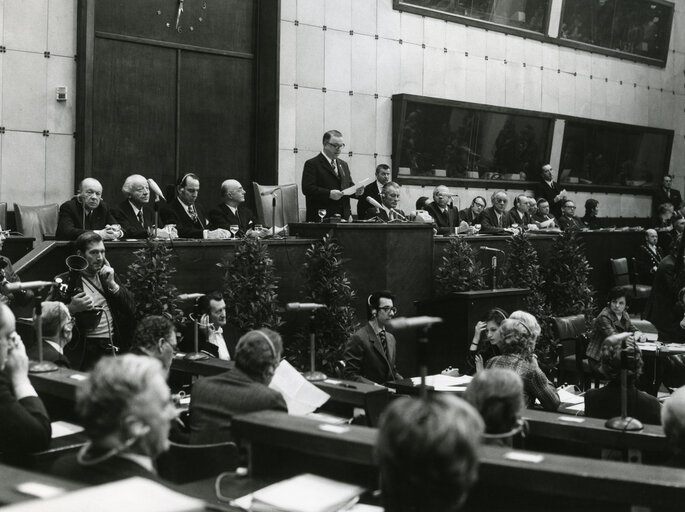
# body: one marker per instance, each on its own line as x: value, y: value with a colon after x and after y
x: 373, y: 190
x: 240, y: 390
x: 371, y: 351
x: 155, y: 336
x: 542, y: 218
x: 133, y: 213
x: 494, y: 219
x: 57, y: 326
x: 648, y: 257
x: 186, y: 214
x: 519, y: 216
x: 86, y: 211
x: 232, y: 211
x: 427, y: 452
x: 24, y: 422
x: 126, y: 410
x: 212, y: 310
x: 471, y: 215
x: 568, y: 219
x: 445, y: 217
x: 390, y: 197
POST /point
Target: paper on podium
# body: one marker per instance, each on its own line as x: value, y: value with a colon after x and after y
x: 570, y: 398
x: 132, y: 495
x: 303, y: 493
x: 444, y: 382
x: 300, y: 395
x: 351, y: 190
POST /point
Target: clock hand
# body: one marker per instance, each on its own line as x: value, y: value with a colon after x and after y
x: 180, y: 11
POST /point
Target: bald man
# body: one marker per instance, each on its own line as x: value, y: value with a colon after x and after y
x: 232, y: 211
x: 134, y: 213
x: 648, y: 257
x: 87, y: 205
x: 446, y: 218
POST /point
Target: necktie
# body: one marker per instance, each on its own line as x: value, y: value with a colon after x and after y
x: 192, y: 213
x: 140, y: 218
x: 335, y: 168
x: 384, y: 342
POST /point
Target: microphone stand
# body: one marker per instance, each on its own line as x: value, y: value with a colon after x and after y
x: 624, y: 422
x: 273, y: 214
x: 421, y: 357
x: 493, y: 265
x: 312, y: 375
x: 196, y: 355
x: 39, y: 366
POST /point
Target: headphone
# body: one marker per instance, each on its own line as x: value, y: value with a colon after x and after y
x: 501, y: 312
x: 270, y: 343
x: 181, y: 182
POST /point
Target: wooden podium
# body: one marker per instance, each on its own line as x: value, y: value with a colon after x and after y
x: 449, y: 341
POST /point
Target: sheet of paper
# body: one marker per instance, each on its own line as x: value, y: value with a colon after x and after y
x: 301, y: 396
x: 351, y: 190
x: 64, y: 428
x: 535, y: 458
x: 577, y: 407
x: 570, y: 398
x: 443, y: 380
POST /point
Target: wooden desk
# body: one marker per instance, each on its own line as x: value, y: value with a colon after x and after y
x: 276, y: 437
x: 60, y: 383
x: 15, y: 247
x: 11, y: 477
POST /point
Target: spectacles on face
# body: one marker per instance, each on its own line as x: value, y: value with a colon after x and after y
x: 336, y: 146
x: 479, y: 205
x: 389, y: 309
x: 501, y: 200
x: 570, y: 207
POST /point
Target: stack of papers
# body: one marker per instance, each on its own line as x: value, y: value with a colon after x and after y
x: 445, y: 382
x: 303, y: 493
x: 301, y: 396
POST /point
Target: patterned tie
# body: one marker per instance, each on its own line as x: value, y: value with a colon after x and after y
x: 140, y: 218
x: 193, y: 214
x: 335, y: 168
x: 384, y: 342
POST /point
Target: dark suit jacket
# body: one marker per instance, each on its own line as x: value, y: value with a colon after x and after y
x: 70, y: 221
x: 605, y: 402
x: 514, y: 217
x: 49, y: 354
x: 188, y: 342
x: 591, y: 222
x: 218, y: 398
x: 566, y: 222
x: 129, y: 222
x: 371, y: 190
x: 466, y: 215
x: 365, y: 359
x: 488, y: 221
x: 24, y: 423
x: 549, y: 193
x: 661, y: 197
x: 647, y: 262
x: 109, y: 470
x: 445, y: 222
x: 318, y: 179
x: 174, y: 213
x: 223, y: 217
x: 383, y: 215
x: 661, y: 307
x: 538, y: 217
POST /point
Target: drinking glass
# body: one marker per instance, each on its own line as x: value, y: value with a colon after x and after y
x: 234, y: 228
x: 322, y: 213
x: 476, y: 227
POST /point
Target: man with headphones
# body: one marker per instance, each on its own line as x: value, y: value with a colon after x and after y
x: 242, y: 389
x: 211, y: 311
x: 370, y: 352
x: 186, y: 214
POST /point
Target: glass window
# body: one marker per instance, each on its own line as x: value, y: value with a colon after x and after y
x: 637, y: 27
x: 528, y: 15
x: 456, y: 140
x: 615, y: 155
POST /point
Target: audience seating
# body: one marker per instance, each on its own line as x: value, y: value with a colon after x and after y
x: 287, y: 205
x: 39, y: 222
x: 625, y: 277
x: 187, y: 463
x: 571, y: 335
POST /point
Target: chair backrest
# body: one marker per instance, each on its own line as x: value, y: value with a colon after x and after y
x: 619, y: 267
x: 3, y: 215
x: 568, y: 329
x: 287, y: 203
x: 38, y: 222
x: 187, y: 463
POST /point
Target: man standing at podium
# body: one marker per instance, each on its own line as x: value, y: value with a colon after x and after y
x: 370, y: 352
x: 325, y: 177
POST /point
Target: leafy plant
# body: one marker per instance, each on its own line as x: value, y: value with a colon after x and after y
x: 325, y: 282
x: 149, y: 280
x: 251, y: 288
x: 458, y: 272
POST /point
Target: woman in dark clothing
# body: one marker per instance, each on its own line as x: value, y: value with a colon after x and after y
x: 483, y: 346
x: 613, y: 319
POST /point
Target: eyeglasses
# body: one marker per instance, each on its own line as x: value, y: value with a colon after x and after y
x: 501, y: 199
x: 570, y: 207
x: 336, y: 146
x: 389, y: 309
x: 479, y: 204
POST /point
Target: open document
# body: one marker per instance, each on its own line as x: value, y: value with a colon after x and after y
x: 300, y: 395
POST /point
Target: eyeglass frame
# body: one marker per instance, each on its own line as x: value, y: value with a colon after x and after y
x: 336, y: 146
x: 389, y: 309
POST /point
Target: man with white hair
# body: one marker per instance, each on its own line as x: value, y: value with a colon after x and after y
x: 86, y: 211
x: 133, y: 213
x: 232, y: 211
x: 57, y: 324
x: 445, y: 216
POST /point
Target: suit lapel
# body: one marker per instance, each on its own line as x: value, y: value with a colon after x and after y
x: 377, y: 344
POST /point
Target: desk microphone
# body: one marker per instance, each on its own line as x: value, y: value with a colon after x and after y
x: 374, y: 203
x: 304, y: 306
x: 398, y: 214
x: 155, y: 188
x: 29, y: 285
x: 404, y: 322
x: 190, y: 296
x: 484, y: 248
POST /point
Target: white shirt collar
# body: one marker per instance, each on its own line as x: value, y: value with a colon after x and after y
x: 330, y: 161
x: 234, y: 209
x: 135, y: 208
x: 216, y: 338
x: 185, y: 206
x: 549, y: 182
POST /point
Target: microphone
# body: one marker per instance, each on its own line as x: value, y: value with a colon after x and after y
x: 190, y: 296
x: 29, y: 285
x: 404, y: 322
x: 304, y: 306
x: 374, y: 203
x: 270, y: 192
x: 155, y: 188
x: 398, y: 214
x: 484, y: 248
x: 448, y: 194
